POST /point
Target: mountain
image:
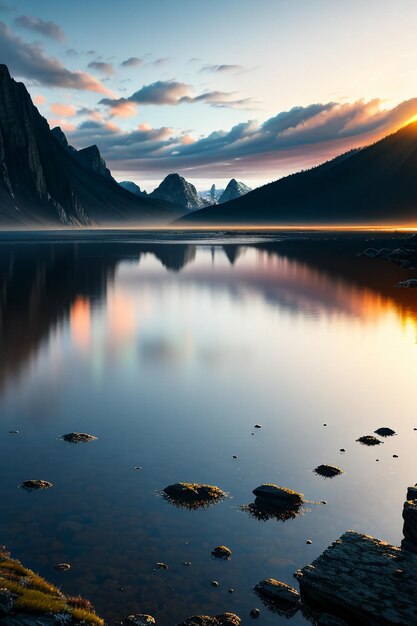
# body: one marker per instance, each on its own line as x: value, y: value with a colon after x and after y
x: 132, y: 187
x: 59, y: 134
x: 91, y: 158
x: 212, y: 195
x: 174, y: 188
x: 376, y: 184
x: 234, y: 189
x: 45, y: 182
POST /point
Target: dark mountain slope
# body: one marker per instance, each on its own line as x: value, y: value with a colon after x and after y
x: 43, y: 182
x: 377, y: 184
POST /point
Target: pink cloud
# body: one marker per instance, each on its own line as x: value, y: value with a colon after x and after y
x: 39, y: 100
x: 66, y: 126
x: 187, y: 140
x: 123, y: 109
x: 63, y: 110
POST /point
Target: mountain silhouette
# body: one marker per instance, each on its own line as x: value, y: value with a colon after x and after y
x: 373, y: 185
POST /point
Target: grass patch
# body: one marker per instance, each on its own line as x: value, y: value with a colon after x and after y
x: 33, y: 601
x: 87, y: 617
x: 37, y: 596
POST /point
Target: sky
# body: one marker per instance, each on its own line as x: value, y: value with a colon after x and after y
x: 219, y: 89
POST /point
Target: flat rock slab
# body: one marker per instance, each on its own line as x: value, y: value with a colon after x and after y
x: 363, y: 580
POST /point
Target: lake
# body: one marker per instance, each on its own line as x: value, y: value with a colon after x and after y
x: 170, y: 353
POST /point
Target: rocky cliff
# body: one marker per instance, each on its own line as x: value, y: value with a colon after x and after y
x: 44, y: 182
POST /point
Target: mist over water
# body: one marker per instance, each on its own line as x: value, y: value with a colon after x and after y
x: 169, y: 354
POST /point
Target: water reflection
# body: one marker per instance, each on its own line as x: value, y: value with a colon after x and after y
x: 43, y: 285
x: 169, y: 354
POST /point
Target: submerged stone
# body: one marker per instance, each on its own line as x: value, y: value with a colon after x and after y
x: 62, y: 567
x: 278, y: 494
x: 357, y: 579
x: 226, y: 619
x: 222, y: 552
x: 385, y: 432
x: 33, y: 485
x: 369, y: 440
x: 140, y: 619
x: 328, y: 471
x: 193, y: 495
x: 78, y: 437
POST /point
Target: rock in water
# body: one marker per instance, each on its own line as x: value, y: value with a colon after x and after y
x: 62, y: 567
x: 277, y: 591
x: 226, y: 619
x: 369, y: 440
x: 328, y: 471
x: 222, y: 552
x: 271, y: 492
x: 140, y: 619
x: 193, y: 495
x: 78, y: 437
x: 385, y: 432
x: 357, y: 576
x: 33, y: 485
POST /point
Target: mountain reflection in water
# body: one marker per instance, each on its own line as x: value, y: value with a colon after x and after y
x: 44, y: 285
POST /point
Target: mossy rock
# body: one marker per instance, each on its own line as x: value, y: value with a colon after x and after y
x: 35, y: 485
x: 328, y: 471
x: 269, y: 491
x: 369, y: 440
x: 193, y: 495
x: 78, y: 437
x: 222, y: 552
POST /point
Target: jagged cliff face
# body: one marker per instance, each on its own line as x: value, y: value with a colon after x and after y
x: 26, y: 174
x: 174, y: 188
x: 91, y: 158
x: 43, y: 181
x: 235, y: 189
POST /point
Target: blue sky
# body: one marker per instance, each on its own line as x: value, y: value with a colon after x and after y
x: 215, y: 89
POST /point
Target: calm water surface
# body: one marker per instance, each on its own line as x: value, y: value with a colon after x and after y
x: 170, y: 354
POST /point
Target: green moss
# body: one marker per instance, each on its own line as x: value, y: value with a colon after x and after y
x: 33, y: 601
x: 37, y: 596
x: 87, y: 616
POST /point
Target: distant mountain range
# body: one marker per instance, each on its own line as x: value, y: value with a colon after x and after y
x: 373, y: 185
x: 45, y: 181
x: 174, y: 188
